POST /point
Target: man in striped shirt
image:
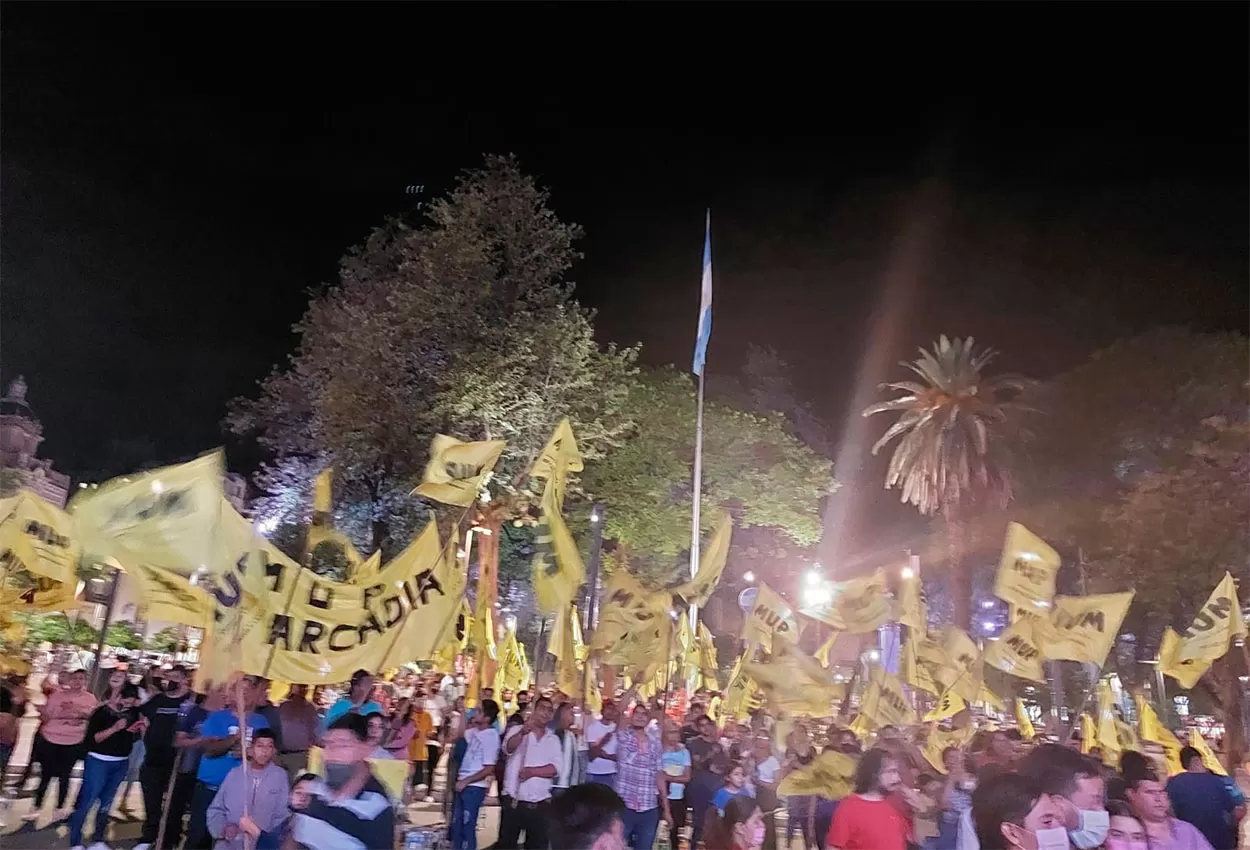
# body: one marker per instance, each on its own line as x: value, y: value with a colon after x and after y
x: 639, y: 757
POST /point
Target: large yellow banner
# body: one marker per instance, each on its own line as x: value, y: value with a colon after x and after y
x: 885, y: 702
x: 38, y: 538
x: 1017, y: 651
x: 770, y: 615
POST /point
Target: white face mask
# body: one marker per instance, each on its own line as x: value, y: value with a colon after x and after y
x: 1095, y: 823
x: 1052, y: 839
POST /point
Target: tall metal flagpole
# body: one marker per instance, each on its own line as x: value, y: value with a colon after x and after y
x: 700, y: 356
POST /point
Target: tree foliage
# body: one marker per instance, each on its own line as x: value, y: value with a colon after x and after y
x: 121, y: 635
x: 752, y: 466
x: 58, y: 628
x: 465, y: 325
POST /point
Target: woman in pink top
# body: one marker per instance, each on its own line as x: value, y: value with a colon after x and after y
x: 60, y: 738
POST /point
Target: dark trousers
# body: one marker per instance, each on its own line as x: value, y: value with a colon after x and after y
x: 531, y: 818
x: 509, y: 824
x: 154, y: 779
x: 767, y: 799
x: 418, y: 774
x: 55, y: 762
x: 699, y: 794
x: 184, y: 789
x: 198, y: 837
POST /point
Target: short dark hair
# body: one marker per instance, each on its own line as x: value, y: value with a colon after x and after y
x: 1133, y: 764
x: 178, y: 668
x: 1008, y: 799
x: 491, y: 709
x: 1121, y: 809
x: 1056, y: 768
x: 374, y: 714
x: 264, y: 733
x: 1188, y: 754
x: 359, y: 676
x: 130, y: 691
x: 305, y: 777
x: 542, y: 700
x: 1132, y: 783
x: 583, y: 813
x: 868, y: 771
x: 354, y: 723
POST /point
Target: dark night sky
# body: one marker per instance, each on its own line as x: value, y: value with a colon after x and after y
x: 176, y: 176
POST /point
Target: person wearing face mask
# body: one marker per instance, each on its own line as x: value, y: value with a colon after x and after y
x: 868, y: 819
x: 588, y: 817
x: 1149, y: 802
x: 741, y: 827
x: 349, y: 807
x: 111, y: 732
x: 162, y: 712
x: 1074, y: 782
x: 1014, y: 813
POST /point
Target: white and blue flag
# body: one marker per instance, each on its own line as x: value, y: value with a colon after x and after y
x: 705, y: 302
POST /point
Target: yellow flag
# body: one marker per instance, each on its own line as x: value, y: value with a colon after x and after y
x: 1186, y: 657
x: 565, y: 637
x: 38, y: 594
x: 558, y: 458
x: 950, y: 704
x: 708, y: 666
x: 1027, y: 570
x: 1024, y: 722
x: 169, y: 518
x: 857, y: 606
x: 169, y: 597
x: 885, y: 702
x: 323, y: 491
x: 1017, y: 651
x: 1108, y: 734
x: 1155, y: 732
x: 633, y: 621
x: 938, y: 742
x: 1199, y: 743
x: 1089, y: 734
x: 770, y: 615
x: 912, y: 610
x: 458, y: 471
x: 558, y: 571
x: 513, y: 671
x: 39, y: 539
x: 711, y: 565
x: 830, y: 775
x: 918, y: 671
x: 824, y: 653
x: 740, y: 693
x: 1083, y: 628
x: 791, y: 682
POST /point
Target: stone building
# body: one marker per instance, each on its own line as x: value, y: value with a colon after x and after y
x: 20, y: 436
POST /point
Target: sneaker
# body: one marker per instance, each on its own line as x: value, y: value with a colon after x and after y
x: 78, y: 847
x: 143, y: 846
x: 99, y: 845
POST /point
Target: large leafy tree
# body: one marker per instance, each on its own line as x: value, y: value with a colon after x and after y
x: 752, y: 466
x: 465, y: 325
x: 952, y: 456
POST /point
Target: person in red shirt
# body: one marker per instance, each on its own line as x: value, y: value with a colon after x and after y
x: 869, y: 819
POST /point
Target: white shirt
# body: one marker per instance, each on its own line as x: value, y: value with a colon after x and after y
x: 512, y: 770
x: 596, y: 731
x: 535, y: 752
x: 767, y: 770
x: 481, y: 750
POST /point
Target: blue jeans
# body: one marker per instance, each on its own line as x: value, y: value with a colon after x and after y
x: 100, y: 781
x: 640, y: 827
x: 608, y: 779
x: 464, y: 818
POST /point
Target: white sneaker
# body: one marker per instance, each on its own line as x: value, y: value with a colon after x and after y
x: 78, y: 847
x: 99, y: 845
x: 143, y: 847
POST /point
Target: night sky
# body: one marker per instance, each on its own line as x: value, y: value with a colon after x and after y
x: 176, y: 176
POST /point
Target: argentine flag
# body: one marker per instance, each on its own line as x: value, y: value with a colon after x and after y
x: 705, y: 302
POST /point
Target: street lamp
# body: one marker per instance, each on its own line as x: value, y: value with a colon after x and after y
x: 908, y: 573
x: 812, y: 577
x: 748, y: 577
x: 818, y: 594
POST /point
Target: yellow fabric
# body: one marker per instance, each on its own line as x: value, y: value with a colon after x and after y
x: 418, y: 747
x: 947, y: 706
x: 1027, y: 570
x: 39, y: 539
x: 829, y: 775
x: 857, y: 606
x: 1017, y: 651
x: 912, y: 610
x: 770, y: 615
x: 633, y: 622
x: 1153, y: 731
x: 168, y: 518
x: 699, y: 589
x: 1023, y: 722
x: 558, y: 572
x: 557, y: 459
x: 1199, y: 743
x: 789, y: 683
x: 323, y: 491
x: 392, y: 773
x: 1083, y: 628
x: 884, y: 701
x: 1108, y: 734
x: 1186, y: 657
x: 458, y: 471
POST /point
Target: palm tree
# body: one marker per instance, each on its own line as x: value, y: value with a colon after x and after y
x: 952, y: 455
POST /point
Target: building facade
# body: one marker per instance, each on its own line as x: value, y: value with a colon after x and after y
x: 20, y: 436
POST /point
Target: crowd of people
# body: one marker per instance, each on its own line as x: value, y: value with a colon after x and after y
x: 627, y: 776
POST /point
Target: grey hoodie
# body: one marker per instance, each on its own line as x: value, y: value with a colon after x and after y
x: 266, y: 793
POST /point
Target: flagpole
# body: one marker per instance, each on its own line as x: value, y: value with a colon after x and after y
x: 698, y: 493
x: 700, y: 357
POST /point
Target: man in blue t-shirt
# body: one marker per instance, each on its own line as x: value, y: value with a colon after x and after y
x: 357, y: 700
x: 1200, y: 797
x: 220, y: 753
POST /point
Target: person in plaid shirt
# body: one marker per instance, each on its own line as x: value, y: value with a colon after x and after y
x: 639, y: 757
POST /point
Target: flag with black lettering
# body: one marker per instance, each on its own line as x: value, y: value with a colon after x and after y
x: 37, y: 538
x: 1083, y: 628
x: 885, y: 702
x: 1219, y: 622
x: 169, y: 518
x: 830, y: 775
x: 948, y: 705
x: 458, y: 471
x: 557, y: 459
x: 1016, y: 651
x: 558, y: 572
x: 633, y: 622
x: 770, y: 615
x: 857, y: 606
x: 1027, y: 570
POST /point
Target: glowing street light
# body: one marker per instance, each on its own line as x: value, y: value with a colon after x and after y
x: 819, y: 594
x: 987, y: 604
x: 908, y: 573
x: 812, y: 577
x: 748, y: 576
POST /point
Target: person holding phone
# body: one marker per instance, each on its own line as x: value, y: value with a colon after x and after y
x: 112, y: 731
